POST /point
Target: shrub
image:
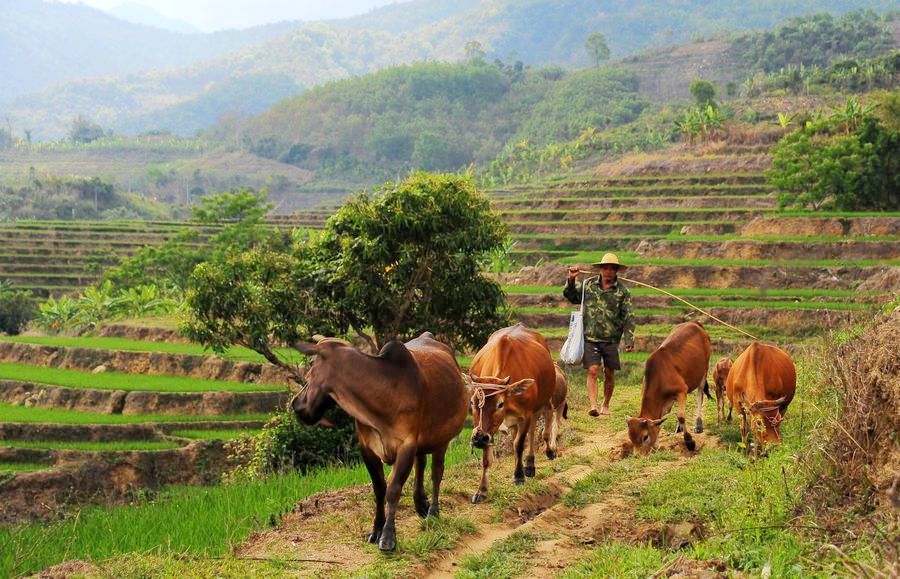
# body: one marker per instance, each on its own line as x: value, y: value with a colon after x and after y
x: 285, y: 444
x: 16, y: 309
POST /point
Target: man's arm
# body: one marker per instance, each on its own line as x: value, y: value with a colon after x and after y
x: 572, y: 292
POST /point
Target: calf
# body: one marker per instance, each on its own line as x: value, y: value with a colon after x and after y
x: 720, y: 373
x: 762, y: 383
x: 679, y: 366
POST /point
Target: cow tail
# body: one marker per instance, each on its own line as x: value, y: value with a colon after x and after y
x: 566, y: 410
x: 706, y: 388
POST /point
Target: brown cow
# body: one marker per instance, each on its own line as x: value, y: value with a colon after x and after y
x: 762, y: 381
x: 408, y: 402
x: 513, y: 378
x: 555, y: 412
x: 720, y: 373
x: 679, y: 366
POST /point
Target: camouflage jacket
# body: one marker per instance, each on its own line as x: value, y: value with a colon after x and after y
x: 607, y: 312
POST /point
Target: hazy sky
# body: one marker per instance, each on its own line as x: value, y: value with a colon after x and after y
x: 209, y: 15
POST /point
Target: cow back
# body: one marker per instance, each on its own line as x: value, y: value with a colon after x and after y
x: 519, y: 352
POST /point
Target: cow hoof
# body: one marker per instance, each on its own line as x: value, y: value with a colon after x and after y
x: 434, y: 511
x: 388, y: 542
x: 519, y: 480
x: 374, y: 537
x: 551, y: 454
x: 477, y: 499
x: 689, y: 443
x: 529, y: 471
x: 422, y: 508
x: 677, y: 428
x: 698, y: 430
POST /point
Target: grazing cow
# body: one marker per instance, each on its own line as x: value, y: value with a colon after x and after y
x: 762, y: 382
x: 555, y: 412
x: 720, y: 373
x: 408, y: 402
x: 679, y: 366
x: 513, y: 378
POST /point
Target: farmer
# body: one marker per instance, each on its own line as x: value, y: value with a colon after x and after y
x: 607, y: 318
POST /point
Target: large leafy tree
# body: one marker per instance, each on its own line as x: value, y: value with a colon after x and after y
x: 389, y: 265
x: 597, y: 48
x: 842, y: 162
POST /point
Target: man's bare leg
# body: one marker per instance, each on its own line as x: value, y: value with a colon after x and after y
x: 592, y: 374
x: 609, y: 382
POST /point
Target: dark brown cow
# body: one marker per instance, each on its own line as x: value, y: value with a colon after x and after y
x: 720, y: 374
x: 679, y: 366
x: 762, y: 382
x: 554, y: 412
x: 408, y: 402
x: 513, y: 378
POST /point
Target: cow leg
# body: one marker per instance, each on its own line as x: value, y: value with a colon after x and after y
x: 745, y: 426
x: 720, y: 405
x: 420, y: 499
x: 531, y: 441
x: 551, y: 430
x: 519, y: 449
x: 399, y: 473
x: 486, y: 458
x: 698, y: 427
x: 376, y: 472
x: 682, y: 405
x: 437, y: 474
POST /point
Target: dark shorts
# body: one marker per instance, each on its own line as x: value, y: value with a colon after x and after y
x: 597, y: 352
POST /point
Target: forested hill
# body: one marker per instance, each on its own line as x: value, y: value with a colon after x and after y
x: 52, y: 41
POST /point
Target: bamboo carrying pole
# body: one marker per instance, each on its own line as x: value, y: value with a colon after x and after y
x: 689, y: 304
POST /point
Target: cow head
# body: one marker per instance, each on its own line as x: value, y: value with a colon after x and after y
x: 643, y: 432
x: 488, y: 403
x: 315, y: 398
x: 765, y: 418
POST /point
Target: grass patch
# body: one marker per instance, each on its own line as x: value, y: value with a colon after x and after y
x: 221, y: 434
x: 617, y: 560
x: 12, y: 413
x: 435, y: 535
x: 504, y: 559
x: 126, y: 382
x: 17, y: 467
x: 217, y: 518
x: 240, y: 354
x: 123, y: 445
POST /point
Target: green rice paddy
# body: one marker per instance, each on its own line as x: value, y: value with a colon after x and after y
x: 123, y: 381
x: 21, y: 414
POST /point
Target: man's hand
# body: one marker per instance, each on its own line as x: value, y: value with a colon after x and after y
x: 629, y: 348
x: 573, y: 273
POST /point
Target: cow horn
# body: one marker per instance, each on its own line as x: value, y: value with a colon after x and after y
x: 506, y: 380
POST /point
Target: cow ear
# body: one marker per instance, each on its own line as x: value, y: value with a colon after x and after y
x: 307, y: 348
x: 519, y: 388
x: 660, y: 421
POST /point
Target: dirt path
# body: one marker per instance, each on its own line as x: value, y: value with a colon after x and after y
x: 326, y: 533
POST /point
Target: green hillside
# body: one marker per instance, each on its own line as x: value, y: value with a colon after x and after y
x: 537, y: 33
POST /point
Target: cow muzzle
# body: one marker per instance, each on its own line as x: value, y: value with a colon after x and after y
x: 481, y: 439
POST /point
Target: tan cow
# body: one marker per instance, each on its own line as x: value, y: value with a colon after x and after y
x: 762, y: 383
x: 408, y: 402
x: 678, y: 367
x: 513, y: 378
x: 720, y: 374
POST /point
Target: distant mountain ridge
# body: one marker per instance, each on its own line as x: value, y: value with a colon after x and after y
x: 142, y: 14
x: 196, y: 79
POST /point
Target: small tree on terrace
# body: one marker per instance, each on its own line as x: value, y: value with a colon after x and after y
x: 597, y: 47
x: 704, y: 92
x: 395, y: 263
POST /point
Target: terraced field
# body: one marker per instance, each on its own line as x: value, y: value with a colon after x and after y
x: 106, y: 416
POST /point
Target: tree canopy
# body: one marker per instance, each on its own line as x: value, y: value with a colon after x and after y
x: 395, y: 262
